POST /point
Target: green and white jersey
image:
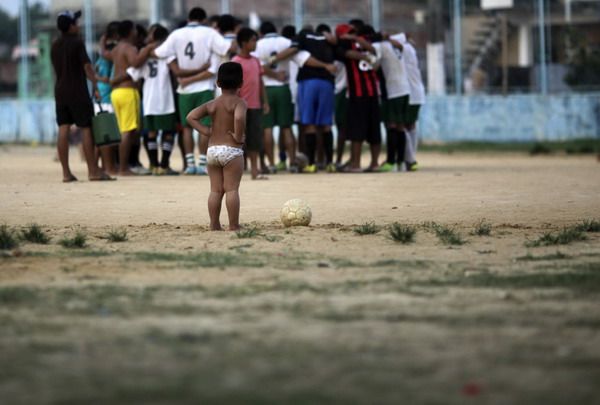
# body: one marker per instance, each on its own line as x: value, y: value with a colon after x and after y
x: 272, y: 44
x: 158, y: 94
x: 193, y: 46
x: 394, y: 69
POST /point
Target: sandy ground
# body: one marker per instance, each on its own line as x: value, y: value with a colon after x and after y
x: 308, y: 315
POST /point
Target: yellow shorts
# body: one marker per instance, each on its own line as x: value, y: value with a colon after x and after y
x: 126, y: 103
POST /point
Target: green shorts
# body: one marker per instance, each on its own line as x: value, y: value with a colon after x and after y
x: 282, y: 109
x: 341, y: 108
x: 395, y: 109
x: 412, y: 115
x: 164, y: 122
x: 187, y: 102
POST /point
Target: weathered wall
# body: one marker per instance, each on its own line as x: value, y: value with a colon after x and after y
x: 447, y: 118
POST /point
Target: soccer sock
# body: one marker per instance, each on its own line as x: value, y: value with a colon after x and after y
x: 201, y: 160
x: 414, y: 136
x: 328, y: 145
x: 134, y: 155
x: 311, y: 145
x: 167, y: 148
x: 152, y: 146
x: 401, y: 147
x: 189, y: 159
x: 282, y: 156
x: 392, y: 145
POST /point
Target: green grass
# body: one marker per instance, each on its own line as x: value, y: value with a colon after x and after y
x: 483, y: 228
x: 33, y: 233
x: 368, y: 228
x: 555, y: 256
x: 445, y: 234
x: 592, y: 225
x: 8, y: 238
x: 117, y: 235
x: 78, y: 241
x: 564, y: 237
x: 402, y: 233
x: 248, y: 233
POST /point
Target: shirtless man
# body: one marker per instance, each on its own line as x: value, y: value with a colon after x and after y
x: 125, y: 96
x: 225, y: 156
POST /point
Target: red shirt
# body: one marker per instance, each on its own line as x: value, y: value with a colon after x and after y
x: 253, y: 71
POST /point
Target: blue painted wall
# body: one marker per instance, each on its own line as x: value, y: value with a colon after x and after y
x: 447, y: 118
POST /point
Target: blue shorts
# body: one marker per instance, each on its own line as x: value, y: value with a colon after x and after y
x: 316, y: 101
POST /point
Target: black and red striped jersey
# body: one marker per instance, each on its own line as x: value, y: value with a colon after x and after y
x: 362, y: 79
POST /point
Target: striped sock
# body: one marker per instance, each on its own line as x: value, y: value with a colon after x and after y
x: 201, y: 160
x: 189, y: 159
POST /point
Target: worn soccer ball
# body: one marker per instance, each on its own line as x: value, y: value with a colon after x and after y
x: 296, y: 213
x: 301, y: 160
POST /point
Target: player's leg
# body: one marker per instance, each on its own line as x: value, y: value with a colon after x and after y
x: 94, y: 172
x: 215, y: 197
x: 152, y: 146
x: 124, y: 150
x: 62, y: 147
x: 269, y: 148
x: 232, y: 175
x: 200, y: 99
x: 186, y: 105
x: 288, y: 142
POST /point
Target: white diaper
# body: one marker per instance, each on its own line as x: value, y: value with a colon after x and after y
x: 220, y: 155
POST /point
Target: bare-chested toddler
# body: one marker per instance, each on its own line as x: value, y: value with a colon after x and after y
x: 225, y: 156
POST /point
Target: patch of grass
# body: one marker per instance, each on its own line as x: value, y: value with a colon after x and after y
x: 78, y: 241
x: 564, y: 237
x: 203, y: 259
x: 402, y: 233
x: 34, y: 234
x: 8, y: 238
x: 368, y: 228
x: 555, y: 256
x: 588, y: 226
x: 117, y: 235
x: 445, y: 234
x: 17, y: 295
x: 539, y: 149
x: 273, y: 238
x: 248, y: 233
x: 587, y: 145
x: 483, y: 228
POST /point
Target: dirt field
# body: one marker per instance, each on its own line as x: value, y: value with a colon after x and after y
x: 316, y: 315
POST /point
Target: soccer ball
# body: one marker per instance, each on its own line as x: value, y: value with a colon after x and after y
x: 301, y: 160
x: 296, y: 213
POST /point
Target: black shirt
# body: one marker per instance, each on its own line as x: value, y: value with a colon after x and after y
x: 68, y: 58
x: 320, y: 49
x: 362, y: 79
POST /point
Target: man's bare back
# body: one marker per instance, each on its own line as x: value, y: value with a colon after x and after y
x: 122, y: 55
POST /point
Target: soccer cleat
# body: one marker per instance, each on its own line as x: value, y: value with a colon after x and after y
x: 166, y: 171
x: 201, y: 170
x: 294, y: 169
x: 412, y: 166
x: 386, y: 167
x: 310, y: 169
x: 331, y: 168
x: 281, y: 166
x: 272, y: 169
x: 141, y: 170
x: 190, y: 171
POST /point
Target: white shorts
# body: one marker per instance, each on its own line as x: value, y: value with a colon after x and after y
x: 220, y: 155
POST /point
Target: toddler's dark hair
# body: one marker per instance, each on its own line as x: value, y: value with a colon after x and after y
x: 230, y: 75
x: 245, y: 35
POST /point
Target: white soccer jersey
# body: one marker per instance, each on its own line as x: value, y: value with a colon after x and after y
x: 158, y: 94
x: 417, y: 90
x: 392, y: 64
x: 341, y: 81
x: 193, y: 46
x: 272, y: 44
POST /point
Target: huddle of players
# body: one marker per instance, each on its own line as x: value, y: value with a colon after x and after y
x: 309, y: 78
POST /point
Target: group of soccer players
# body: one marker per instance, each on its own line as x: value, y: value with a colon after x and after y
x: 350, y: 76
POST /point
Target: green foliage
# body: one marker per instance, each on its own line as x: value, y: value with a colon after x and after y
x: 402, y: 233
x: 564, y: 237
x: 248, y: 233
x: 117, y: 235
x: 34, y: 234
x: 78, y: 241
x: 368, y: 228
x: 588, y: 225
x: 539, y: 149
x: 8, y: 238
x: 445, y: 234
x: 483, y: 228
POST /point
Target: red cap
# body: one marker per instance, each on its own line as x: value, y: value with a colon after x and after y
x: 343, y: 29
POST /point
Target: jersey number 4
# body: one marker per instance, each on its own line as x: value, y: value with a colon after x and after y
x: 189, y: 50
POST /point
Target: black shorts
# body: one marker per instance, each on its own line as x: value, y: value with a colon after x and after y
x: 78, y: 114
x: 363, y: 122
x: 254, y: 134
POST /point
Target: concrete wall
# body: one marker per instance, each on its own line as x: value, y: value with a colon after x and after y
x: 443, y: 118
